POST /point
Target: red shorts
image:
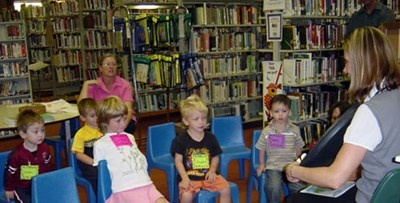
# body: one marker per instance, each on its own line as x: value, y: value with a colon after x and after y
x: 213, y: 186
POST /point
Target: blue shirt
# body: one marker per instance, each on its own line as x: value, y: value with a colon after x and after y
x: 379, y: 15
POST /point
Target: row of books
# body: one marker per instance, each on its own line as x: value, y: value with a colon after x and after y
x: 160, y: 101
x: 313, y: 104
x: 40, y: 55
x: 225, y: 15
x: 38, y: 26
x: 66, y: 58
x: 228, y: 65
x: 65, y: 24
x: 13, y: 69
x: 321, y: 7
x: 194, y: 76
x: 98, y: 20
x: 67, y: 41
x: 303, y: 68
x: 13, y: 88
x: 66, y: 7
x: 16, y: 100
x: 223, y: 91
x: 230, y: 110
x: 7, y: 15
x: 14, y: 31
x: 68, y: 74
x: 223, y: 39
x: 92, y: 58
x: 158, y: 70
x: 12, y: 50
x: 37, y: 41
x: 35, y: 11
x: 98, y: 4
x: 312, y: 131
x: 98, y: 39
x: 313, y: 36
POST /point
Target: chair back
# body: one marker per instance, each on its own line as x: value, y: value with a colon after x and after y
x: 73, y: 162
x: 254, y: 161
x: 55, y: 186
x: 159, y: 140
x: 228, y: 131
x: 3, y: 161
x: 104, y: 182
x: 388, y: 188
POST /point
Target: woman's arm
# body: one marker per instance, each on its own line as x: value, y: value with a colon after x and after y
x: 85, y: 89
x: 341, y: 170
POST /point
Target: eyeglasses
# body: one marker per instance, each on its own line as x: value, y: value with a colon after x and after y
x: 109, y: 64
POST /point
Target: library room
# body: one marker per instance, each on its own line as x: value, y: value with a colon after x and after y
x: 199, y: 101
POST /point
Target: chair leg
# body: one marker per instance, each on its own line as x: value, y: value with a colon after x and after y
x: 249, y: 188
x: 241, y: 168
x: 172, y: 184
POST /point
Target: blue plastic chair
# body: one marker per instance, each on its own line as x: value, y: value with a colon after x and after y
x: 253, y: 179
x: 58, y: 142
x: 55, y: 186
x: 159, y: 141
x: 78, y: 174
x: 3, y: 161
x: 229, y: 133
x: 104, y: 182
x: 388, y: 188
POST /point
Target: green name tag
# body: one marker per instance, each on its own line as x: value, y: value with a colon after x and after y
x: 28, y: 171
x: 200, y: 161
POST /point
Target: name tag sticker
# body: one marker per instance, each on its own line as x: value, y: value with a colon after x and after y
x: 121, y: 140
x: 200, y: 161
x: 276, y: 141
x: 28, y: 171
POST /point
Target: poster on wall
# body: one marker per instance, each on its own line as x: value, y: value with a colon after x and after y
x: 272, y: 85
x: 274, y: 27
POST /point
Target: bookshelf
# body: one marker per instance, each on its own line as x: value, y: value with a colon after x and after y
x: 224, y: 39
x: 38, y: 46
x: 15, y: 87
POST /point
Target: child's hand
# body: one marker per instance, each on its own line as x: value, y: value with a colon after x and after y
x: 211, y: 175
x: 260, y: 169
x: 9, y: 195
x: 184, y: 184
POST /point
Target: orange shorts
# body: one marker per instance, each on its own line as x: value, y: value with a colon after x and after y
x: 213, y: 186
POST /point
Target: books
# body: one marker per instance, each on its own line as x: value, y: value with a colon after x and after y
x: 327, y: 192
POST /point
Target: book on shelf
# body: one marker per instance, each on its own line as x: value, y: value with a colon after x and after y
x: 327, y: 192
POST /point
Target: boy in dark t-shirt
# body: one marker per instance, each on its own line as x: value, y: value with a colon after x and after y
x: 197, y: 153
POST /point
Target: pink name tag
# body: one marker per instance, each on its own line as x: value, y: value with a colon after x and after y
x: 276, y: 141
x: 121, y: 140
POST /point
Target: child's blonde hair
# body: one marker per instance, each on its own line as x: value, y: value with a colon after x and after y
x: 110, y: 107
x: 86, y: 104
x: 27, y: 118
x: 192, y: 103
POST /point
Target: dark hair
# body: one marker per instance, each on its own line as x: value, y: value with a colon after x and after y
x: 342, y: 105
x: 282, y: 99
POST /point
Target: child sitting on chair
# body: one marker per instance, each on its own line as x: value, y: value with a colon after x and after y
x: 282, y: 143
x: 28, y: 159
x: 84, y: 140
x: 130, y: 180
x: 197, y: 154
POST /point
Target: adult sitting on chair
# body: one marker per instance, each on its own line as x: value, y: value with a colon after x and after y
x: 372, y: 139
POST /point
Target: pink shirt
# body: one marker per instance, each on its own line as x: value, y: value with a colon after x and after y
x: 121, y: 88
